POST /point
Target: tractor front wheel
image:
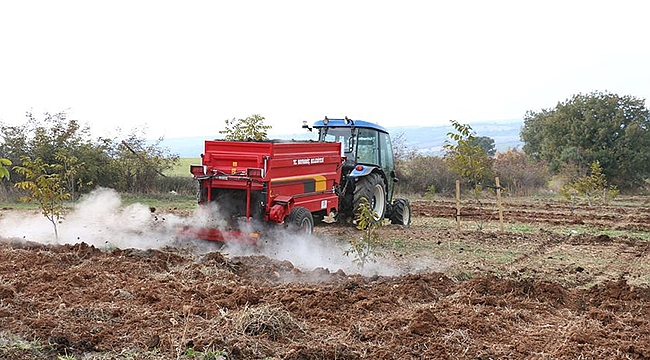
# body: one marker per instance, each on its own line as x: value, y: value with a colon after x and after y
x: 372, y: 188
x: 300, y: 220
x: 401, y: 212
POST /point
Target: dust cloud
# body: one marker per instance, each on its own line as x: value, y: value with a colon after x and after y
x: 311, y: 252
x: 98, y: 219
x: 102, y: 220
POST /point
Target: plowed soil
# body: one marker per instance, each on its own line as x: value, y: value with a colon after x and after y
x: 631, y: 215
x: 473, y: 294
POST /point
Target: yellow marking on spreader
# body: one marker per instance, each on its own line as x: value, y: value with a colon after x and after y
x: 321, y: 182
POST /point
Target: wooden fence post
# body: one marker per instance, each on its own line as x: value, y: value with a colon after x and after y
x: 458, y: 205
x: 498, y: 186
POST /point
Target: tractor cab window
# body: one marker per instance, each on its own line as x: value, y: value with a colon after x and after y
x: 387, y: 160
x: 360, y: 145
x: 342, y: 135
x: 368, y: 147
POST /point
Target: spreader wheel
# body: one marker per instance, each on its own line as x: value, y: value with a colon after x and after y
x: 300, y: 220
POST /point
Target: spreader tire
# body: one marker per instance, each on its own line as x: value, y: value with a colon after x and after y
x: 372, y: 188
x: 300, y: 220
x: 401, y: 212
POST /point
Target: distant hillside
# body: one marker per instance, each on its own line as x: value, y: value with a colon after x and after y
x: 430, y: 139
x: 186, y: 147
x: 426, y: 139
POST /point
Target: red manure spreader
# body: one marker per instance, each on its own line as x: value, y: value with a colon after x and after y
x: 298, y: 183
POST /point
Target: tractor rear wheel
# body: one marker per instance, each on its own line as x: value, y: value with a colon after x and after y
x: 300, y: 220
x: 372, y: 188
x: 401, y: 212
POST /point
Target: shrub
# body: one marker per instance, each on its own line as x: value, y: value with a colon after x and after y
x: 423, y: 173
x: 519, y: 174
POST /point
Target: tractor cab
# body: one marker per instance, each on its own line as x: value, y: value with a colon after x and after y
x: 363, y: 143
x: 368, y: 167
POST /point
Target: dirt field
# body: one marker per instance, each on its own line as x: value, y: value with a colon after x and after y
x: 559, y: 283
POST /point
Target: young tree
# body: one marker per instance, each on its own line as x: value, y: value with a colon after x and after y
x: 469, y: 160
x: 466, y: 157
x: 251, y: 128
x: 590, y: 186
x: 365, y: 249
x: 44, y: 184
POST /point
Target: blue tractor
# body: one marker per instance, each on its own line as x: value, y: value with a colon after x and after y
x: 368, y: 169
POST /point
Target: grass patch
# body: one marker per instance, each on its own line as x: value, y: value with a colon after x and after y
x: 15, y: 347
x: 182, y: 167
x: 433, y: 222
x: 521, y: 228
x: 163, y: 201
x: 19, y: 205
x: 496, y: 255
x: 397, y: 244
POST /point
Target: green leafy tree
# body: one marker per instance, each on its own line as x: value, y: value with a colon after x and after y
x: 251, y: 128
x: 55, y: 139
x: 41, y: 137
x: 70, y: 169
x: 138, y: 163
x: 469, y: 160
x: 14, y: 142
x: 611, y: 129
x: 44, y: 185
x: 131, y: 163
x: 466, y: 157
x: 487, y: 144
x: 4, y: 172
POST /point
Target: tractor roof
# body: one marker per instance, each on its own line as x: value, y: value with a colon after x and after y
x: 349, y: 123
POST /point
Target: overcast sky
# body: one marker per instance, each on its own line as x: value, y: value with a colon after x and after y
x: 181, y: 68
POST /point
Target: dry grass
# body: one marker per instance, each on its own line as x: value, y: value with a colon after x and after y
x: 268, y: 320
